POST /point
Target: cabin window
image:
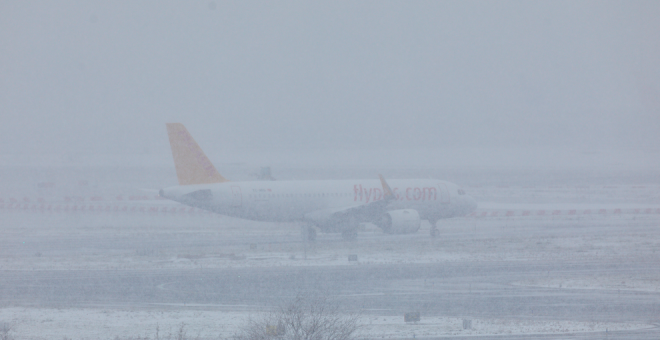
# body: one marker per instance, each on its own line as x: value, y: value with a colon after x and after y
x: 461, y: 192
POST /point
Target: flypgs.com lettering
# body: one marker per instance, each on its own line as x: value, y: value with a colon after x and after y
x: 410, y: 194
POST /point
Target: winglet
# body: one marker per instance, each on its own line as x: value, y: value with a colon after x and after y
x: 387, y: 191
x: 192, y: 165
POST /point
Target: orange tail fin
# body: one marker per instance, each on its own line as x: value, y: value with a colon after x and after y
x: 192, y: 165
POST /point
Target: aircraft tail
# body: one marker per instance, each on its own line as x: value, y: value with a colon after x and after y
x: 192, y: 165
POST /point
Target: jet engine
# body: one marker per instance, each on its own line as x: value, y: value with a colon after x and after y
x: 404, y: 221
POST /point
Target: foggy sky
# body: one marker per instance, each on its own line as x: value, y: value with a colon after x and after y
x: 103, y: 77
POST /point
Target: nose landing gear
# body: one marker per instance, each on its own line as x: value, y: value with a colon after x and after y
x: 434, y: 230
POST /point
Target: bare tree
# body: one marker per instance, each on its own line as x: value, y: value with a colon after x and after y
x: 303, y: 319
x: 6, y: 331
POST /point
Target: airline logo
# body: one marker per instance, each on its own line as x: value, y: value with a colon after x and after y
x: 192, y: 165
x: 193, y: 149
x: 410, y: 194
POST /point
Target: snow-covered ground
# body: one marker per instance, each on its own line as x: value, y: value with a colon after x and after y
x: 107, y: 323
x: 530, y: 239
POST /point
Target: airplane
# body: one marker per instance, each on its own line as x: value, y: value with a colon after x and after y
x: 396, y: 206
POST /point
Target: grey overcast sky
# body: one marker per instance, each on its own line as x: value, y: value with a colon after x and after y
x: 103, y: 77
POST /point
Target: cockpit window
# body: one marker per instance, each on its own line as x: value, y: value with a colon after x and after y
x: 461, y: 192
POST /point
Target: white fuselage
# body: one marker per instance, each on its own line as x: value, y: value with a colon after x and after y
x: 316, y: 201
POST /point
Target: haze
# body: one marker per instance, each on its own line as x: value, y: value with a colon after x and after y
x: 517, y: 143
x: 83, y: 79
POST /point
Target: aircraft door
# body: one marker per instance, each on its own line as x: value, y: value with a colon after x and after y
x: 236, y: 197
x: 443, y: 193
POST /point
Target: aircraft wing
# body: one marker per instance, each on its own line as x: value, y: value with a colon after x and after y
x: 362, y: 213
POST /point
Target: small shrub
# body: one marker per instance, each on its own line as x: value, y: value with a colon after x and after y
x: 302, y: 319
x: 6, y: 331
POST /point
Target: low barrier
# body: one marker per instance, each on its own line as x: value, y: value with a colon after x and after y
x: 181, y: 209
x: 71, y: 208
x: 571, y: 212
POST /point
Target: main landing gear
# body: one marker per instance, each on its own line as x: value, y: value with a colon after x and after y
x: 349, y: 234
x: 308, y: 233
x: 350, y: 231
